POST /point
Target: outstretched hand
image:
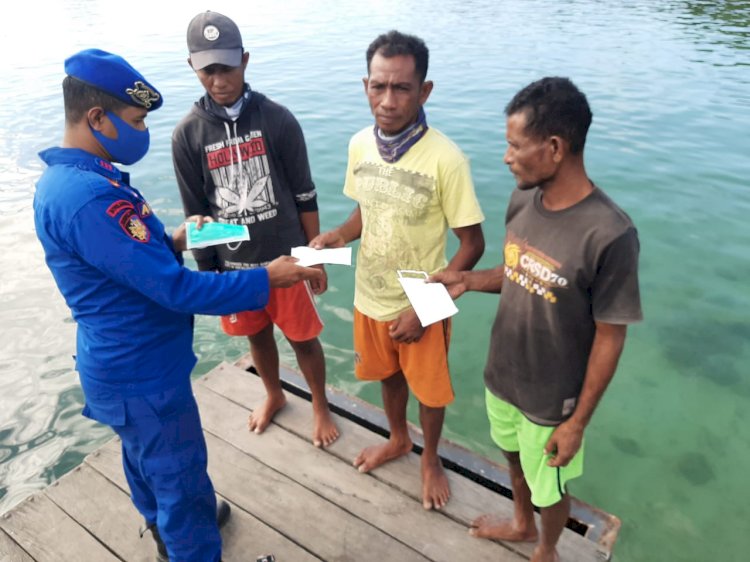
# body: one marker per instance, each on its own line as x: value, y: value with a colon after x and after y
x: 406, y: 328
x: 179, y: 235
x: 563, y: 444
x: 284, y: 272
x: 454, y: 281
x: 330, y: 239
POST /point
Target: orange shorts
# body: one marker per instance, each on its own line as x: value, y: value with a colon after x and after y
x: 424, y: 363
x: 292, y: 310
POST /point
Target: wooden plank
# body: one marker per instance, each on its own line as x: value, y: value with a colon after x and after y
x: 299, y: 513
x: 244, y: 537
x: 105, y: 509
x: 362, y: 495
x: 10, y: 551
x: 469, y: 499
x: 107, y: 460
x: 48, y: 534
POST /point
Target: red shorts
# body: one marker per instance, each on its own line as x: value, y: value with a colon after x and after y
x: 292, y: 310
x: 424, y: 363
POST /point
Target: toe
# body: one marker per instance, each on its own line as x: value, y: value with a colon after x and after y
x: 478, y: 520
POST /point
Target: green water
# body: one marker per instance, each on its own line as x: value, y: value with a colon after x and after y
x: 669, y: 84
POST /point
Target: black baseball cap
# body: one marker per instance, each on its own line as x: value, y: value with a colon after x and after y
x: 213, y: 38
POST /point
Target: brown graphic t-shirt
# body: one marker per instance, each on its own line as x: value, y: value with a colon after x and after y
x: 564, y: 270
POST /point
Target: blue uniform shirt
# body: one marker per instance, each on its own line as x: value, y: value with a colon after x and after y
x: 127, y: 288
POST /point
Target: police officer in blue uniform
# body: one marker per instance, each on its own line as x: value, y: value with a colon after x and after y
x: 122, y: 276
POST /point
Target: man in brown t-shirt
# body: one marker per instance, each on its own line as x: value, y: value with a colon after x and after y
x: 570, y: 288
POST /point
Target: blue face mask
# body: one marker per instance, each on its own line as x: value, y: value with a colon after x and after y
x: 130, y: 145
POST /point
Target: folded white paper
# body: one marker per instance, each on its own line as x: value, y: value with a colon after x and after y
x: 430, y: 301
x: 214, y: 233
x: 310, y: 256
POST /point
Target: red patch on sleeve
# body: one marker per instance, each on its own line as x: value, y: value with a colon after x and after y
x: 118, y: 206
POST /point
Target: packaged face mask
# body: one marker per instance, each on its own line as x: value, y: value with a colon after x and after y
x: 214, y: 233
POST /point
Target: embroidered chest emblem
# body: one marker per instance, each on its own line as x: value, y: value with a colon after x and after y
x: 142, y: 94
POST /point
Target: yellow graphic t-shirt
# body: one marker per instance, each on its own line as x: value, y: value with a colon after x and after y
x: 407, y: 208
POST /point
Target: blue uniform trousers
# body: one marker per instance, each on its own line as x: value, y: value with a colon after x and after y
x: 164, y: 457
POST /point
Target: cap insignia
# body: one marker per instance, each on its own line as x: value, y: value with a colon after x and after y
x: 142, y: 94
x: 211, y: 33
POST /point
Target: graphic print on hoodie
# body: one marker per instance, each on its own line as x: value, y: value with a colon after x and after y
x: 240, y: 172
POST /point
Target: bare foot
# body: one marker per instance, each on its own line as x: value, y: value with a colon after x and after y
x: 373, y: 457
x: 435, y: 487
x: 325, y: 431
x: 492, y: 527
x: 543, y: 555
x: 262, y: 416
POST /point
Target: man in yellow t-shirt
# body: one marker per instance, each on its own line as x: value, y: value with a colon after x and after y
x: 411, y: 184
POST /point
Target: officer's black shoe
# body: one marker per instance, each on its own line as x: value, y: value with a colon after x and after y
x: 161, y: 549
x: 223, y: 510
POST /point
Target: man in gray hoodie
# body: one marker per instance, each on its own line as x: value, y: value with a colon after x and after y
x: 241, y: 158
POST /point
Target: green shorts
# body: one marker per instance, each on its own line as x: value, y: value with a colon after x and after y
x: 514, y: 433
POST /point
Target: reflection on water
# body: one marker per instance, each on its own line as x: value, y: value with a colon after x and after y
x: 731, y: 20
x: 670, y: 88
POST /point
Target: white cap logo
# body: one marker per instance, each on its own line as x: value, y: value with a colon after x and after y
x: 211, y: 33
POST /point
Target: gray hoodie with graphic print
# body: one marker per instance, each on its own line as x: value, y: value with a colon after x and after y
x: 252, y: 171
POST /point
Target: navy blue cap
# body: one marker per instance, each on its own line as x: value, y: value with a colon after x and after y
x: 113, y: 75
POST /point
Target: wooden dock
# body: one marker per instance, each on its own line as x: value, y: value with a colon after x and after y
x: 288, y: 498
